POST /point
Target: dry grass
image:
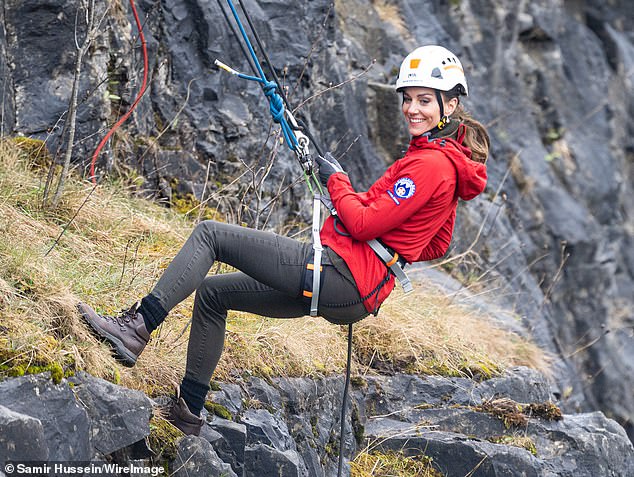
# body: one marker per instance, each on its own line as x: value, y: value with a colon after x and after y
x: 115, y: 251
x: 424, y: 332
x: 391, y: 464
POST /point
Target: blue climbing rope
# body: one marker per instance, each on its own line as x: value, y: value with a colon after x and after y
x: 276, y: 104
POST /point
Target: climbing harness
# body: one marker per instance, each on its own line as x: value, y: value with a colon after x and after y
x: 140, y: 94
x: 298, y: 139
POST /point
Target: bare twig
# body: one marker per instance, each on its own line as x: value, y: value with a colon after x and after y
x: 470, y: 248
x: 313, y: 46
x: 564, y: 258
x: 354, y: 141
x: 331, y: 87
x: 201, y: 209
x: 59, y: 237
x: 172, y: 122
x: 125, y: 257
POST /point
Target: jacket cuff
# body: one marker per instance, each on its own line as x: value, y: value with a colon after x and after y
x: 337, y: 178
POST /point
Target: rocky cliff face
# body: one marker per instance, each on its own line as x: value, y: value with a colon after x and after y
x: 290, y: 427
x: 552, y: 79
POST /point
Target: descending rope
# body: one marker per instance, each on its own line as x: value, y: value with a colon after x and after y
x: 344, y: 401
x: 296, y: 136
x: 134, y: 104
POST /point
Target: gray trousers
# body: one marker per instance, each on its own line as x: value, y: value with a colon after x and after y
x: 269, y: 283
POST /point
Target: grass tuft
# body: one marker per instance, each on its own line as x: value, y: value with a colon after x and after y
x: 392, y: 464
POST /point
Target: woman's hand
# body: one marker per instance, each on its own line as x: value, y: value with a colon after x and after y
x: 328, y: 166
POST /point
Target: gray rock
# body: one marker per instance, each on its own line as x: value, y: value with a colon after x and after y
x: 119, y: 417
x: 266, y: 428
x: 584, y: 445
x: 457, y: 439
x: 453, y: 454
x: 229, y: 396
x: 21, y: 437
x: 197, y: 458
x: 457, y: 420
x: 65, y: 424
x: 261, y: 460
x: 520, y: 384
x: 232, y: 442
x: 403, y: 392
x: 266, y: 394
x: 312, y: 409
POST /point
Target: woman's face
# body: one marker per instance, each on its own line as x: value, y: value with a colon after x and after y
x: 421, y: 109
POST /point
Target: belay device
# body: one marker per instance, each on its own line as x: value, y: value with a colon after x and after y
x: 298, y: 139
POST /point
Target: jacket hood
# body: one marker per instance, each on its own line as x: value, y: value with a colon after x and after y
x: 471, y: 175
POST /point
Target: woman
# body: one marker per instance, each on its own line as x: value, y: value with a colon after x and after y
x: 411, y: 209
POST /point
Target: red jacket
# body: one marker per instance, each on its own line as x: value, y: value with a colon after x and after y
x: 411, y: 208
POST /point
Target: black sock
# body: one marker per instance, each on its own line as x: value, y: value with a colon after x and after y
x: 152, y: 311
x: 194, y: 394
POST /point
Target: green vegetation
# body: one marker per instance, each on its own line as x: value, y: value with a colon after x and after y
x: 218, y: 410
x: 523, y: 442
x: 163, y: 439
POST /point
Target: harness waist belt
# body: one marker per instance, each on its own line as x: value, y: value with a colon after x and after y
x: 392, y: 262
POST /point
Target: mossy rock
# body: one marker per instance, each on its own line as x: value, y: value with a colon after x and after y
x: 523, y: 442
x: 163, y: 439
x: 56, y: 370
x: 218, y: 410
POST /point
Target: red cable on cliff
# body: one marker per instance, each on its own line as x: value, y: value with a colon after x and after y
x: 136, y: 101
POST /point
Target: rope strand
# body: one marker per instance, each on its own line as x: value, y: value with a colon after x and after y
x: 144, y: 85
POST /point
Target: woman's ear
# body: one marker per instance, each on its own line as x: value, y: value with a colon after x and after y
x: 450, y: 106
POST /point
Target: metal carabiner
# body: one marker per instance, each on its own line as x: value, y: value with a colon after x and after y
x: 303, y: 143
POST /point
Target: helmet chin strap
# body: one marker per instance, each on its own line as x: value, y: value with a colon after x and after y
x: 444, y: 120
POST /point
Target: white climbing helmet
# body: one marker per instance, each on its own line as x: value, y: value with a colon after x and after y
x: 432, y: 66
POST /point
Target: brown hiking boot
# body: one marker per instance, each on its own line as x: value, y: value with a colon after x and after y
x: 181, y: 417
x: 126, y: 333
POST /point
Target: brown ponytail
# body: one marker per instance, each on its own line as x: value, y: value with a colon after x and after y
x: 476, y: 136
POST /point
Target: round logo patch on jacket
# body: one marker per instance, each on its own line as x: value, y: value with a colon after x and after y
x: 404, y: 188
